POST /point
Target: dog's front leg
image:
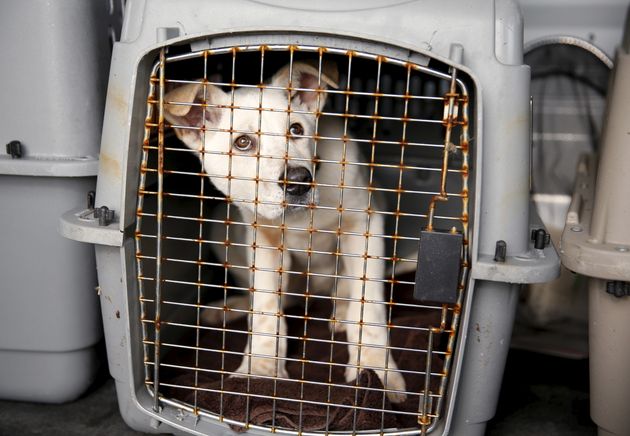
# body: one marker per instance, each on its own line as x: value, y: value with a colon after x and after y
x: 267, y: 344
x: 366, y: 311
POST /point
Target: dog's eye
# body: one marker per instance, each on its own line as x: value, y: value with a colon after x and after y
x: 243, y: 143
x: 296, y: 129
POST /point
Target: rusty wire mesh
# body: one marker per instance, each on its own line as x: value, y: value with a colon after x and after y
x: 402, y: 119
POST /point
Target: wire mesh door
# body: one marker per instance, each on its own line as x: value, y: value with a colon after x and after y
x: 282, y: 194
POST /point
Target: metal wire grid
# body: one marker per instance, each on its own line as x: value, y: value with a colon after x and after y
x: 158, y: 307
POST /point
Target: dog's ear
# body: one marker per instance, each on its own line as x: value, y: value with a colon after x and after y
x: 184, y: 107
x: 306, y: 76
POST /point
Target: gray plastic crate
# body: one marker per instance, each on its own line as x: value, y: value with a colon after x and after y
x: 48, y: 303
x: 468, y: 143
x: 596, y: 243
x: 53, y: 78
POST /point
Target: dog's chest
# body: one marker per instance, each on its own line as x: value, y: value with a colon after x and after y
x: 313, y: 240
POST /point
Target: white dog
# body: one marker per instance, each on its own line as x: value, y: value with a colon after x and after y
x: 263, y: 161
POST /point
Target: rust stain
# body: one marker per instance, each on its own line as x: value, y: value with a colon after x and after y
x: 118, y: 100
x: 110, y: 165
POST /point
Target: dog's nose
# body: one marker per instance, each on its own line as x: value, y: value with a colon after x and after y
x: 298, y: 181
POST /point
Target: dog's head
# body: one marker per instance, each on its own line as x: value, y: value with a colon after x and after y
x: 256, y: 146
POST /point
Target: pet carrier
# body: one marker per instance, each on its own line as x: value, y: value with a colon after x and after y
x: 55, y: 58
x: 569, y: 77
x: 596, y: 23
x: 314, y: 218
x: 596, y: 243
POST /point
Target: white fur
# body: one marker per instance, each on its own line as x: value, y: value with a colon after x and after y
x: 221, y: 159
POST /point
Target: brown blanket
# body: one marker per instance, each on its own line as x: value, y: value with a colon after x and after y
x: 360, y: 405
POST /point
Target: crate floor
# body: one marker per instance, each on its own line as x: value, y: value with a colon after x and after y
x: 540, y: 395
x: 314, y: 362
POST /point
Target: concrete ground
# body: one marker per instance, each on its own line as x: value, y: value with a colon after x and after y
x: 541, y: 395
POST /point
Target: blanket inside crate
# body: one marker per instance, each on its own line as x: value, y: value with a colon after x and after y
x: 307, y: 402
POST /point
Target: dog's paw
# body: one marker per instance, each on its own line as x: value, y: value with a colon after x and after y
x: 394, y: 383
x: 265, y: 366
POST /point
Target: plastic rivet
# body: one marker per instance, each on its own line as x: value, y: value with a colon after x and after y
x: 618, y: 288
x: 91, y: 199
x: 500, y: 251
x: 105, y: 215
x: 14, y: 148
x: 541, y: 238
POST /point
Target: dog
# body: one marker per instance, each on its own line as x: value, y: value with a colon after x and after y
x: 258, y: 148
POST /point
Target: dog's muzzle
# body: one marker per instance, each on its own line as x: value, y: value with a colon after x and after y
x: 298, y: 181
